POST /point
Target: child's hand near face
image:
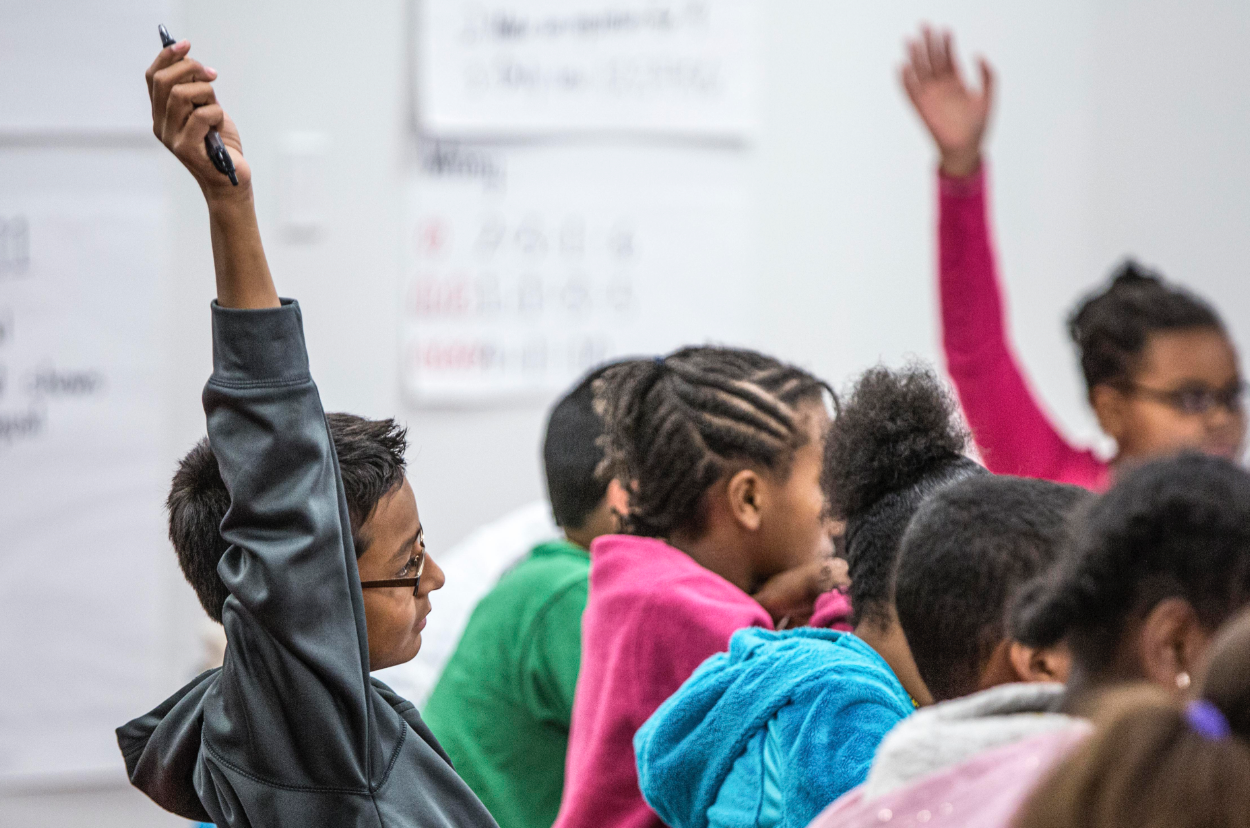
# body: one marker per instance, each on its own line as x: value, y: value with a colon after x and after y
x: 184, y: 108
x: 790, y: 596
x: 955, y: 115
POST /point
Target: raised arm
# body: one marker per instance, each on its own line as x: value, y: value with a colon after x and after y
x: 1013, y: 433
x: 184, y: 108
x: 295, y: 707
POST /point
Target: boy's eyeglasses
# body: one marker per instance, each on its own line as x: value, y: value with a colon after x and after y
x: 1196, y: 399
x: 414, y: 582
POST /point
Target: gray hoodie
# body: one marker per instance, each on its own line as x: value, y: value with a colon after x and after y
x: 291, y: 731
x: 946, y: 734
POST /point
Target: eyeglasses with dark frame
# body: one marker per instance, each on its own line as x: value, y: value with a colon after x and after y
x: 1195, y: 399
x: 414, y: 582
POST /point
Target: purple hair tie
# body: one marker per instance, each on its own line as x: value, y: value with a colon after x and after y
x: 1207, y: 720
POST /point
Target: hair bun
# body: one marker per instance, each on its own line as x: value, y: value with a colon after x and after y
x: 896, y: 428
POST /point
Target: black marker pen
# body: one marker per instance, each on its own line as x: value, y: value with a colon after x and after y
x: 217, y: 152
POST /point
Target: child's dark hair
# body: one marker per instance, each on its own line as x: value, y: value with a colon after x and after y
x: 1178, y: 527
x: 966, y: 553
x: 896, y: 441
x: 371, y: 460
x: 676, y: 425
x: 573, y: 454
x: 1156, y: 762
x: 1111, y: 325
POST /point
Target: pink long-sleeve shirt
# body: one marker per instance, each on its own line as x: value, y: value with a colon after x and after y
x: 652, y: 617
x: 1012, y: 431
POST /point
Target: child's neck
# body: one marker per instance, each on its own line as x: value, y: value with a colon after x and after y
x: 718, y: 554
x: 890, y: 643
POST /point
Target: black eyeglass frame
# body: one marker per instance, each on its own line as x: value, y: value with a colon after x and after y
x: 1202, y: 399
x: 387, y: 583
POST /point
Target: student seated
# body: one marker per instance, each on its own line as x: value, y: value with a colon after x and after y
x: 1156, y: 760
x: 967, y: 554
x: 720, y: 450
x: 503, y: 705
x: 1156, y: 565
x: 778, y: 727
x: 1160, y: 369
x: 291, y: 731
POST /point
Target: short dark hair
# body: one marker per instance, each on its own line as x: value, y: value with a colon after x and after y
x: 966, y: 553
x: 1177, y: 527
x: 896, y: 441
x: 573, y: 454
x: 1112, y: 325
x: 675, y: 425
x: 371, y: 461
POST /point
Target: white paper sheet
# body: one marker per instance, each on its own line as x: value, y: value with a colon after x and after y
x: 77, y: 65
x: 524, y: 67
x: 81, y: 475
x: 528, y: 265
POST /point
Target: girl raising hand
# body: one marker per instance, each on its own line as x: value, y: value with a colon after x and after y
x: 1160, y: 369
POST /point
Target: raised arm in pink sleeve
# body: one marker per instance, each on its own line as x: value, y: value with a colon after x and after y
x: 1013, y: 433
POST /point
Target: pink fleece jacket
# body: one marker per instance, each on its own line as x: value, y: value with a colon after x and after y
x: 983, y: 792
x: 652, y: 617
x: 1013, y: 433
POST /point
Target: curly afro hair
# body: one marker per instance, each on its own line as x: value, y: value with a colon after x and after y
x: 896, y: 440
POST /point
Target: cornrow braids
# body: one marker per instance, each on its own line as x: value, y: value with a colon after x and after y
x: 676, y: 425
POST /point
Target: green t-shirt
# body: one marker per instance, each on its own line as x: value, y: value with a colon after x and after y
x: 503, y: 704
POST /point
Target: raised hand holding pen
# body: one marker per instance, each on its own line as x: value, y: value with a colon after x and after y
x: 184, y: 109
x: 217, y: 152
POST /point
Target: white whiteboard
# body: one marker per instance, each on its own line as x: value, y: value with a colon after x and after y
x: 526, y: 67
x: 82, y: 480
x: 529, y: 264
x: 77, y: 65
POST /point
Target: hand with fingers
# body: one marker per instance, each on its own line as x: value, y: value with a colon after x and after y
x: 184, y: 109
x: 790, y: 597
x: 955, y: 114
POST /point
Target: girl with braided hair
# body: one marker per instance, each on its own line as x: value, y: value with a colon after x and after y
x: 1161, y: 371
x: 769, y: 733
x: 720, y: 450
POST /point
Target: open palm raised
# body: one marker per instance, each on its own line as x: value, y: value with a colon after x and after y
x: 955, y: 115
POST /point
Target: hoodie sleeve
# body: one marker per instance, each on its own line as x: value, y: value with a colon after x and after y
x: 295, y: 705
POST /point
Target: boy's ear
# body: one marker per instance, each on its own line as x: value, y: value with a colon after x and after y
x: 617, y: 498
x: 745, y: 491
x: 1040, y: 663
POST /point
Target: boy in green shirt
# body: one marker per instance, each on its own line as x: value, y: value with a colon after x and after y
x: 503, y: 704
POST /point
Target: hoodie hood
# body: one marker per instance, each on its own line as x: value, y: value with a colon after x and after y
x: 161, y: 749
x: 687, y: 749
x: 950, y: 732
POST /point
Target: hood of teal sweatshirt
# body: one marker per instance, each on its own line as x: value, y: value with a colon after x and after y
x: 822, y: 690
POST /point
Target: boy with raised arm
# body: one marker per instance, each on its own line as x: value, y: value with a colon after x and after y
x: 291, y: 731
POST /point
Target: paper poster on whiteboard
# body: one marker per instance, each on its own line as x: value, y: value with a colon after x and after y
x: 533, y: 67
x: 527, y: 265
x: 82, y: 477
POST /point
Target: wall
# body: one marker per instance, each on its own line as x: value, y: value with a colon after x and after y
x: 1119, y: 129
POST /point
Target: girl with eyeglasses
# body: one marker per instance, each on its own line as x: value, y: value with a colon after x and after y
x: 1161, y: 371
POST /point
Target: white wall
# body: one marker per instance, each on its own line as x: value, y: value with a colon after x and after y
x: 1121, y: 127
